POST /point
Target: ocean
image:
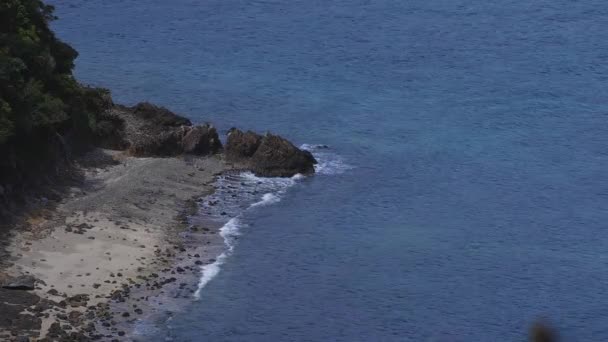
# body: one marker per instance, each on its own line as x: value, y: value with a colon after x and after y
x: 463, y: 193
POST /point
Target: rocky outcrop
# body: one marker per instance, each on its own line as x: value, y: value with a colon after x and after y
x: 158, y: 117
x: 25, y: 282
x: 242, y: 145
x: 201, y: 140
x: 77, y: 300
x: 269, y: 155
x: 196, y: 140
x: 151, y: 131
x: 277, y: 157
x: 163, y: 144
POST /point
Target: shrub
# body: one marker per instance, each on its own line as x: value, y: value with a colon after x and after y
x: 37, y: 89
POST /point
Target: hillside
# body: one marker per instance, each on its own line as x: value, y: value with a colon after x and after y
x: 45, y: 114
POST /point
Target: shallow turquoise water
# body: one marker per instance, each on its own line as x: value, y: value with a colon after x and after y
x: 477, y: 200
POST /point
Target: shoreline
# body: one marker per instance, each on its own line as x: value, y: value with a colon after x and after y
x: 113, y: 242
x: 116, y: 233
x: 94, y: 195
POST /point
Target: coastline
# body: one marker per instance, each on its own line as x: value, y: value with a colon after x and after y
x: 116, y: 235
x: 97, y: 198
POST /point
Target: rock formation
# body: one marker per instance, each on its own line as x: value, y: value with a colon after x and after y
x: 201, y: 140
x: 148, y: 130
x: 269, y: 155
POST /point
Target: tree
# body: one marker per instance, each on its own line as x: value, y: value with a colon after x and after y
x: 38, y: 92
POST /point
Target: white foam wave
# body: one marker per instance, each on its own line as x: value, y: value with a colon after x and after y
x: 311, y: 147
x: 268, y: 198
x: 298, y: 176
x: 228, y: 231
x: 328, y: 163
x: 208, y: 272
x: 275, y: 183
x: 331, y: 167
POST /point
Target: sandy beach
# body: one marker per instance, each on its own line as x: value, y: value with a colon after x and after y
x: 116, y: 231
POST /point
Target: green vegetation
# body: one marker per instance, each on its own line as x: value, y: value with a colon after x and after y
x: 38, y: 93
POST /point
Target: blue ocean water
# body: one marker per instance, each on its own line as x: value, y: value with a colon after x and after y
x: 476, y: 130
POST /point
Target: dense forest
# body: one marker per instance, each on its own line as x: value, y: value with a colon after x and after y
x: 45, y: 113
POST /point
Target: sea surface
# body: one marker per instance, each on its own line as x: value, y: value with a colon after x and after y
x: 464, y: 190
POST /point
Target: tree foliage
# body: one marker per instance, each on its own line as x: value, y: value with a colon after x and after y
x: 37, y: 89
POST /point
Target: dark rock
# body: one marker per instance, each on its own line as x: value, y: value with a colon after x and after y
x: 117, y: 295
x: 90, y: 315
x: 201, y: 140
x: 20, y: 283
x: 277, y: 157
x: 159, y: 116
x: 55, y: 330
x: 25, y: 322
x: 269, y: 155
x: 241, y: 145
x: 53, y: 292
x: 78, y: 300
x: 84, y: 226
x: 90, y: 327
x: 75, y: 317
x: 43, y: 305
x: 77, y: 336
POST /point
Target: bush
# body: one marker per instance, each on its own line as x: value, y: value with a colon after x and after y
x: 37, y: 89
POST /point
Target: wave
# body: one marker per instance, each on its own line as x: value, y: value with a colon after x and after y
x: 267, y: 199
x: 228, y: 231
x: 328, y: 163
x: 239, y: 193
